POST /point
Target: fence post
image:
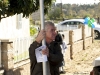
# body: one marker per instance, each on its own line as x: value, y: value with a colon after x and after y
x: 1, y: 70
x: 92, y: 34
x: 0, y: 54
x: 83, y: 36
x: 71, y: 43
x: 7, y: 56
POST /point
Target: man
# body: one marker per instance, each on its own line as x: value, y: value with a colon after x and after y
x: 53, y: 51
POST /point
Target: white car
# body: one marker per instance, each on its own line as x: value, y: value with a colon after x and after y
x: 97, y: 32
x: 72, y: 24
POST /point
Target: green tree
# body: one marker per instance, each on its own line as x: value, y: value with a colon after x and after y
x: 54, y: 14
x: 27, y: 7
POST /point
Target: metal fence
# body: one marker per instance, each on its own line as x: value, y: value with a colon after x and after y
x: 21, y: 46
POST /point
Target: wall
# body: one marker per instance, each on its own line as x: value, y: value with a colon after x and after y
x: 8, y: 27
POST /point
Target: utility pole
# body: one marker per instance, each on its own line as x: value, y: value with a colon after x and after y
x: 62, y: 11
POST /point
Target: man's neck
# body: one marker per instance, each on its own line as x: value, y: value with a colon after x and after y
x: 48, y: 41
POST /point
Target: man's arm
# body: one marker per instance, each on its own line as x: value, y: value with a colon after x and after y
x: 32, y: 48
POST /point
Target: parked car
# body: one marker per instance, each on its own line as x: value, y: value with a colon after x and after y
x: 97, y: 32
x: 72, y: 24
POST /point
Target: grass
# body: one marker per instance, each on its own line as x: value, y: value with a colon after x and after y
x: 21, y: 56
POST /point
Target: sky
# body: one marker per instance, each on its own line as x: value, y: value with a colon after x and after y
x: 78, y: 1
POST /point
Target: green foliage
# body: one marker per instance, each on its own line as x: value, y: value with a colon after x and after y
x: 68, y: 11
x: 33, y: 31
x: 27, y: 7
x: 55, y: 14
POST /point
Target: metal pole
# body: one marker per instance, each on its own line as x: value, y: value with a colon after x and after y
x: 42, y: 27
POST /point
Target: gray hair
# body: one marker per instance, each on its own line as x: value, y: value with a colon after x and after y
x: 48, y: 23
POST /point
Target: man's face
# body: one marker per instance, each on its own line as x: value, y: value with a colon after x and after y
x: 51, y: 33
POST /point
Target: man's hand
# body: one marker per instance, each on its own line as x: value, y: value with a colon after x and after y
x: 45, y: 52
x: 40, y: 36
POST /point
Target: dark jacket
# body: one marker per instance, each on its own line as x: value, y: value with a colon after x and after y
x: 55, y: 58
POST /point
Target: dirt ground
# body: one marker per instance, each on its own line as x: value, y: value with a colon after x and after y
x: 82, y: 62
